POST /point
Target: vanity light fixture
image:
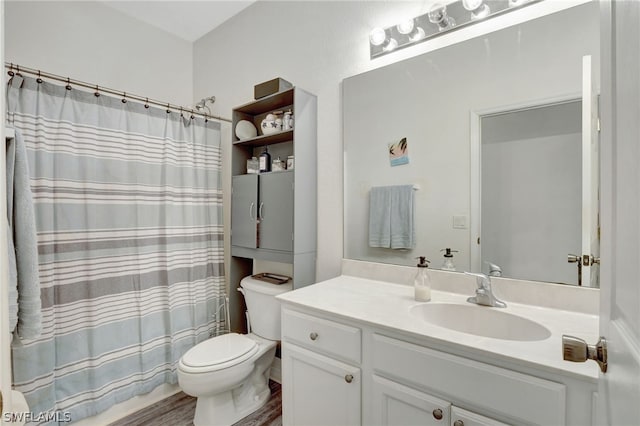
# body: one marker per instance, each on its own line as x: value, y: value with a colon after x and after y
x: 440, y: 19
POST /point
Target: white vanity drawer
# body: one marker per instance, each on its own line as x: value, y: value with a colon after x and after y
x: 331, y: 338
x: 514, y: 395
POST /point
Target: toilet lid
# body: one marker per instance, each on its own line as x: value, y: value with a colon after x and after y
x: 218, y: 350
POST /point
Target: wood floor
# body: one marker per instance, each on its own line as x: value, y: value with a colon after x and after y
x: 178, y: 410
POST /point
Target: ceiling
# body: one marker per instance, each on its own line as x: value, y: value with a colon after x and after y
x: 186, y: 19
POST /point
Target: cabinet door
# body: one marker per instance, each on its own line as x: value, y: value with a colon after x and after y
x: 318, y: 390
x: 397, y: 405
x: 460, y: 417
x: 244, y: 211
x: 275, y: 211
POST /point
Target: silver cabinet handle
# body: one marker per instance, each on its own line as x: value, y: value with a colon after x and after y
x: 251, y: 210
x: 437, y: 414
x: 260, y: 211
x: 458, y: 423
x: 313, y: 336
x: 348, y: 378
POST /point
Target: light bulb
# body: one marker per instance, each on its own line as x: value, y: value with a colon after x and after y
x: 471, y: 5
x: 405, y: 27
x: 377, y: 36
x: 438, y: 15
x: 417, y: 34
x: 477, y: 8
x: 389, y: 45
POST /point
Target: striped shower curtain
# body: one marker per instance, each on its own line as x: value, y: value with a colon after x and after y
x: 128, y: 208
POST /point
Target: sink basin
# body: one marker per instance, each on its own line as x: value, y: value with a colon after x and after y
x: 480, y: 321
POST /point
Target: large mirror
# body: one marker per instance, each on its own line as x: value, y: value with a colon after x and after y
x: 497, y: 151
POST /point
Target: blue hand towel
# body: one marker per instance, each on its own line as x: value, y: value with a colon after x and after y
x: 391, y: 223
x: 380, y: 217
x: 23, y: 253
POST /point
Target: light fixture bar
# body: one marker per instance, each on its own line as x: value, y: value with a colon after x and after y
x: 440, y: 19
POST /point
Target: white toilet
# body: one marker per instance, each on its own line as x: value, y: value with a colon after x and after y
x: 229, y: 374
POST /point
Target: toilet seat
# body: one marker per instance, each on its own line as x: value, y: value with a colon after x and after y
x: 218, y: 353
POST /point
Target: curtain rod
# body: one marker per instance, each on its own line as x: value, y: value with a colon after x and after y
x: 17, y: 69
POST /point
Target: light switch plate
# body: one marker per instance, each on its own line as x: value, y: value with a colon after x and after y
x: 460, y: 222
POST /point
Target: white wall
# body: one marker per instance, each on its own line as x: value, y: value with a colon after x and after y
x: 92, y: 42
x: 314, y: 45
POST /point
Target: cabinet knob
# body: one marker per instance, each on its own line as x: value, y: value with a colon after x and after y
x: 348, y: 378
x: 458, y: 423
x: 313, y: 336
x: 437, y: 414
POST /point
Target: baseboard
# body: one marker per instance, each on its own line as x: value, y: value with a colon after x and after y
x: 122, y: 410
x: 276, y: 370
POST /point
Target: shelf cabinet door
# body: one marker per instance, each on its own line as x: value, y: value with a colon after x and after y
x: 275, y: 211
x: 397, y: 405
x: 460, y: 417
x: 318, y: 390
x: 244, y: 211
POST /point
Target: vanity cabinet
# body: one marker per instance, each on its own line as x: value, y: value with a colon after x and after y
x: 321, y: 370
x: 395, y: 404
x: 320, y: 390
x: 338, y: 371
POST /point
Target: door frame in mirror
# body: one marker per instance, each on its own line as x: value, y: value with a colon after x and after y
x: 475, y: 158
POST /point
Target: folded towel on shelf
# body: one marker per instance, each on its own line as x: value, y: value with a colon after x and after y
x: 23, y: 245
x: 391, y: 222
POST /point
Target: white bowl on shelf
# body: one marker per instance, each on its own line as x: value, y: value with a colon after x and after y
x: 246, y: 130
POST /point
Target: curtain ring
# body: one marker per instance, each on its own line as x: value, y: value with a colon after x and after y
x: 168, y: 109
x: 97, y: 92
x: 68, y: 86
x: 11, y: 73
x: 39, y: 79
x: 18, y: 71
x: 181, y: 114
x: 192, y: 117
x: 146, y: 103
x: 124, y: 97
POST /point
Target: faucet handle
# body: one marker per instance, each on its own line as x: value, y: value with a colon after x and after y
x: 482, y: 280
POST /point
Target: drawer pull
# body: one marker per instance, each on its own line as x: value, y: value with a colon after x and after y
x: 437, y: 414
x: 458, y: 423
x: 348, y: 378
x: 313, y: 336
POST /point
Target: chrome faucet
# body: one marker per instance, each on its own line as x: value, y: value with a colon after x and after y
x: 484, y: 295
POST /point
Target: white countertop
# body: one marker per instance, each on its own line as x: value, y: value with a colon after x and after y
x: 386, y: 305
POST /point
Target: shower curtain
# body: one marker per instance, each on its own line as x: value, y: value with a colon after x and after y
x: 128, y: 208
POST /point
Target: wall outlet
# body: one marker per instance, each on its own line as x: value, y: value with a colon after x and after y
x: 460, y: 221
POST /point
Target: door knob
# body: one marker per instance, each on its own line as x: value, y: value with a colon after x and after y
x: 458, y: 423
x: 313, y: 336
x: 572, y: 258
x: 575, y: 349
x: 348, y: 378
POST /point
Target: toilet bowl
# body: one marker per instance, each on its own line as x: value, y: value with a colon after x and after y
x: 229, y: 374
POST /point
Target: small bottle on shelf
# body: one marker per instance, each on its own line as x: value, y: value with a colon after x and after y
x: 265, y: 161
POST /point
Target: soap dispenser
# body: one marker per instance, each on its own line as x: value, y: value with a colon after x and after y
x: 448, y: 265
x: 422, y: 282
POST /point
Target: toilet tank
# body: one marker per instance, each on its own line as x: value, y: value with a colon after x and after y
x: 263, y: 307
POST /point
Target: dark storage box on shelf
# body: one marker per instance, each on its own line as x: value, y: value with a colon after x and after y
x: 270, y: 87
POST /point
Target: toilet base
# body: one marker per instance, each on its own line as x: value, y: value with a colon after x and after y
x: 228, y: 407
